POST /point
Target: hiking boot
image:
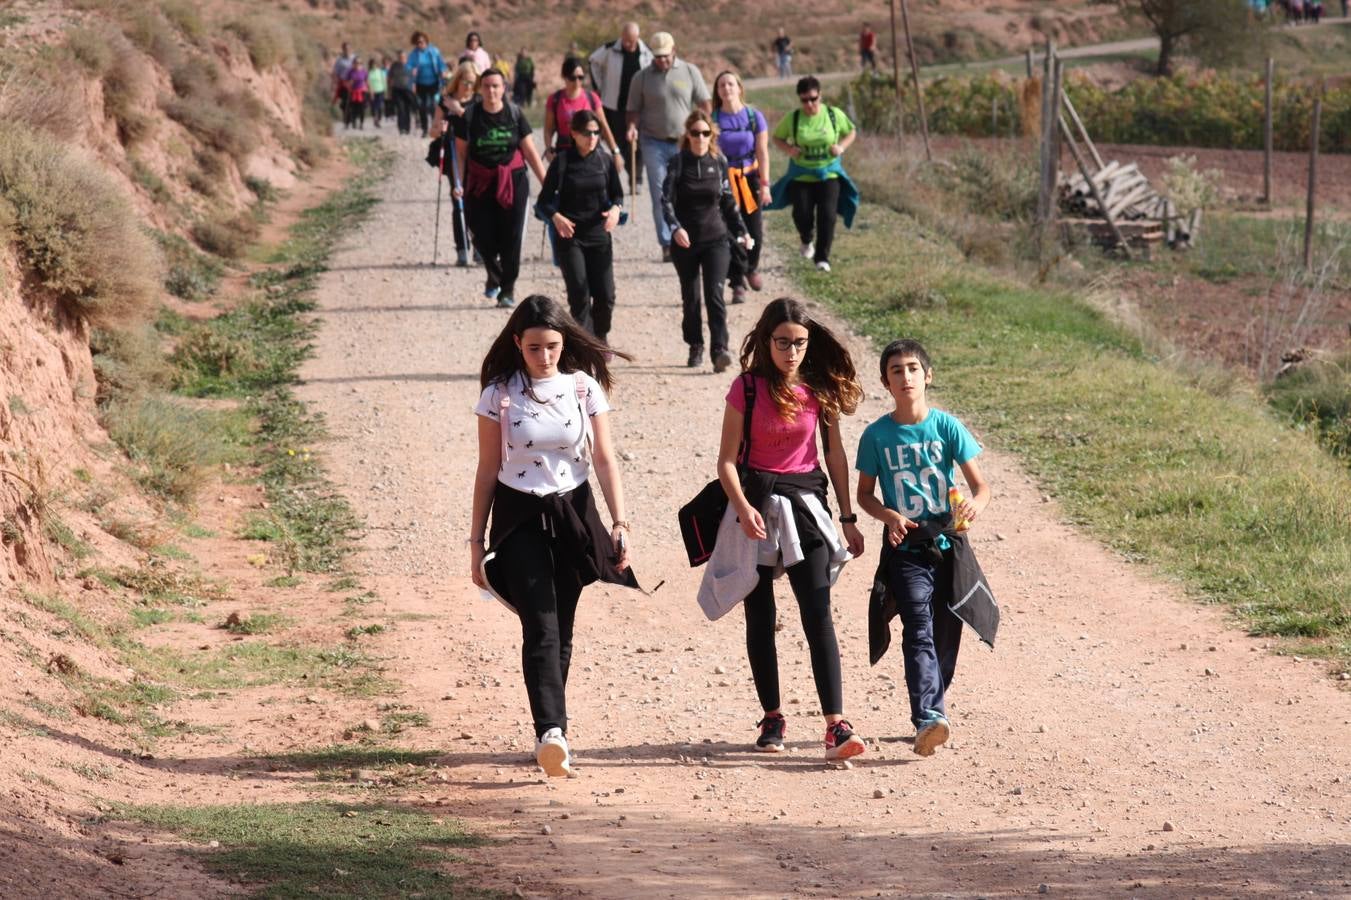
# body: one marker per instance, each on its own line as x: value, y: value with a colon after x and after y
x: 738, y: 295
x: 505, y: 301
x: 696, y: 356
x: 823, y: 266
x: 666, y: 253
x: 551, y: 752
x: 931, y: 734
x: 772, y: 727
x: 807, y: 250
x: 841, y: 742
x: 754, y: 280
x: 721, y: 360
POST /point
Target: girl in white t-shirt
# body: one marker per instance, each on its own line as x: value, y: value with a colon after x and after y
x: 543, y: 423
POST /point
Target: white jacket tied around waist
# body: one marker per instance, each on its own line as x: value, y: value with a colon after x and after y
x: 731, y: 574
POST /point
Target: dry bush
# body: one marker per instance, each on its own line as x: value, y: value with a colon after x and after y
x: 91, y: 49
x: 268, y: 41
x: 150, y: 31
x: 215, y: 126
x: 30, y: 96
x: 74, y: 229
x: 227, y: 236
x: 126, y: 87
x: 171, y: 445
x: 184, y: 15
x: 128, y: 361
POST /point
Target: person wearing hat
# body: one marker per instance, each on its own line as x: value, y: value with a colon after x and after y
x: 613, y: 66
x: 661, y: 97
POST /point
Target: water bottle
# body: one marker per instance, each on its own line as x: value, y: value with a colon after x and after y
x: 955, y: 500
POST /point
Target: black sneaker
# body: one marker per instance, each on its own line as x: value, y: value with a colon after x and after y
x: 771, y: 728
x: 696, y: 356
x: 841, y: 742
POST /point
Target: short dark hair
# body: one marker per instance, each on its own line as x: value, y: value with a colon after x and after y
x: 808, y: 83
x: 489, y: 72
x: 569, y: 64
x: 904, y: 347
x: 582, y: 118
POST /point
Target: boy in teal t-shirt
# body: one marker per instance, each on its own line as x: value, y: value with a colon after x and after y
x: 914, y: 451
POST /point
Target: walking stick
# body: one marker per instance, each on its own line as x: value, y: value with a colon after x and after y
x: 459, y: 201
x: 633, y: 177
x: 440, y: 177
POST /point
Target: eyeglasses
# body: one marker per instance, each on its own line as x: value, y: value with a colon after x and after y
x: 588, y: 133
x: 814, y: 98
x: 782, y: 344
x: 700, y: 133
x: 576, y: 78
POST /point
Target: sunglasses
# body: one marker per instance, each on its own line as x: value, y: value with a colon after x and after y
x: 588, y: 132
x: 576, y: 78
x: 814, y: 98
x: 700, y: 133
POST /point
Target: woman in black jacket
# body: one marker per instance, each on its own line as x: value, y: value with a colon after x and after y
x: 582, y: 197
x: 697, y: 202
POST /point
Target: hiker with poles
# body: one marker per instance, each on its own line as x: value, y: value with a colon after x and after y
x: 797, y: 380
x: 459, y: 93
x: 661, y: 96
x: 583, y: 198
x: 613, y: 66
x: 543, y: 428
x: 743, y: 137
x: 493, y: 145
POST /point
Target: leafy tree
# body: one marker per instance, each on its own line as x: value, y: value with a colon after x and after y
x: 1205, y: 25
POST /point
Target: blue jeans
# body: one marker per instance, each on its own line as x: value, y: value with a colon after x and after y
x: 931, y: 634
x: 785, y: 65
x: 657, y: 155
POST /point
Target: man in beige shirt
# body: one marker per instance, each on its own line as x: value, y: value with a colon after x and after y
x: 660, y: 97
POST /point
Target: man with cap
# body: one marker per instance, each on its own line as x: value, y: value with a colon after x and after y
x: 613, y: 66
x: 661, y: 96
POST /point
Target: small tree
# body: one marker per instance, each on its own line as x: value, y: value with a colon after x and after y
x: 1202, y: 23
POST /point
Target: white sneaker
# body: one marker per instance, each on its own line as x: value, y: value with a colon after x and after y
x: 823, y: 266
x: 551, y: 752
x: 807, y: 250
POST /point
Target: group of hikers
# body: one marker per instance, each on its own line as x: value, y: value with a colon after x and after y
x: 638, y: 107
x: 536, y: 536
x: 1296, y: 12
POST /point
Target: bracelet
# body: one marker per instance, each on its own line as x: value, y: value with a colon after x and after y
x: 849, y: 520
x: 620, y: 523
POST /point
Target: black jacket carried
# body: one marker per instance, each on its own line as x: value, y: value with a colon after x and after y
x: 967, y: 594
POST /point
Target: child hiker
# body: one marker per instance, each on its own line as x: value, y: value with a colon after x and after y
x: 543, y: 425
x: 796, y: 379
x: 914, y: 451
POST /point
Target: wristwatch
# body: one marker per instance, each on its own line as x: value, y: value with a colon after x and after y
x: 849, y: 519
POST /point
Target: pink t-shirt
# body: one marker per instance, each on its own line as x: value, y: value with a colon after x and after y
x: 777, y: 444
x: 564, y: 106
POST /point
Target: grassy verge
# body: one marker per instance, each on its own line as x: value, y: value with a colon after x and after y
x: 322, y: 849
x: 254, y: 351
x: 1205, y: 485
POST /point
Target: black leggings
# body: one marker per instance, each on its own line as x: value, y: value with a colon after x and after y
x: 810, y: 580
x: 497, y: 233
x: 703, y: 264
x: 746, y: 261
x: 814, y: 204
x: 588, y: 273
x: 547, y: 605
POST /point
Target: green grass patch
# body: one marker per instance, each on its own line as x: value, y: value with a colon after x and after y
x: 158, y: 582
x: 256, y: 623
x: 337, y: 761
x: 145, y: 616
x: 256, y: 664
x: 358, y: 631
x: 174, y: 446
x: 63, y: 536
x: 1206, y: 486
x: 322, y: 849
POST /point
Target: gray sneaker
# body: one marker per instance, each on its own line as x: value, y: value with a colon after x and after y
x: 505, y: 301
x: 931, y: 734
x: 721, y: 360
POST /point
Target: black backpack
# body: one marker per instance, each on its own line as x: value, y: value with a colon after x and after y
x: 830, y: 110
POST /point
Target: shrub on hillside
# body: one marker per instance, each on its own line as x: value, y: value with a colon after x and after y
x: 30, y: 96
x: 226, y: 237
x: 184, y: 15
x: 267, y: 40
x: 215, y: 126
x: 74, y: 229
x: 170, y: 444
x: 91, y: 49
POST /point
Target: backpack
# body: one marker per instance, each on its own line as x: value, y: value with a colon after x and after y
x: 750, y: 122
x: 513, y: 113
x: 834, y: 121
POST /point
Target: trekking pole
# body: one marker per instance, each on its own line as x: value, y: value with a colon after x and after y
x: 633, y: 177
x: 440, y: 177
x: 459, y: 201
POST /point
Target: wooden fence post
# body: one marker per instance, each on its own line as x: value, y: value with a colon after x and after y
x: 896, y: 75
x: 1049, y: 107
x: 919, y: 91
x: 1313, y: 177
x: 1266, y: 136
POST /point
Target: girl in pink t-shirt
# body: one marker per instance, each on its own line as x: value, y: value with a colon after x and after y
x: 803, y: 381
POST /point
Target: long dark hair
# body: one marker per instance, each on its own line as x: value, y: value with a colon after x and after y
x: 581, y: 351
x: 827, y: 369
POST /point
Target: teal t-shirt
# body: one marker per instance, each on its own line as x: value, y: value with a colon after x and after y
x: 916, y: 464
x: 814, y: 135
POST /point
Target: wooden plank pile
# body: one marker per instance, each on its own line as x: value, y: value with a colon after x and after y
x: 1139, y: 211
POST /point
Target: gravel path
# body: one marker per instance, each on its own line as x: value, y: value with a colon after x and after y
x: 1122, y: 741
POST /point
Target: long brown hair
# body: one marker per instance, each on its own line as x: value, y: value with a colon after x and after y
x: 827, y: 369
x: 581, y: 351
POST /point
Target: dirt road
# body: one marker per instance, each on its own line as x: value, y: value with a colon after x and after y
x: 1121, y: 741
